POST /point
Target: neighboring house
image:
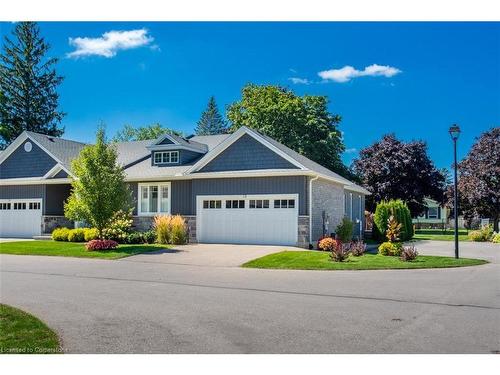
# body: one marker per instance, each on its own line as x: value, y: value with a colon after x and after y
x: 434, y: 216
x: 233, y: 188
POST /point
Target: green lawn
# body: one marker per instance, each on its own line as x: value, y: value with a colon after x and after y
x: 440, y: 235
x: 22, y: 333
x: 318, y: 260
x: 73, y: 249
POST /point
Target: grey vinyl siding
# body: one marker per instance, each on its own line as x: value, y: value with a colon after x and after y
x: 181, y: 201
x: 20, y: 163
x: 61, y: 174
x: 53, y: 196
x: 247, y: 154
x: 184, y: 192
x: 253, y: 185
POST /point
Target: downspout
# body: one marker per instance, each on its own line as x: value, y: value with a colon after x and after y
x: 310, y: 209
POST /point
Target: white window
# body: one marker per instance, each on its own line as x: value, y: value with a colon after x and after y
x: 214, y: 203
x: 154, y: 198
x: 259, y: 203
x: 166, y: 157
x: 432, y: 212
x: 284, y: 203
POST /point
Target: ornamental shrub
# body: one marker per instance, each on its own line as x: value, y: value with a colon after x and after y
x: 495, y: 238
x: 357, y: 248
x: 149, y: 236
x: 344, y: 230
x: 482, y: 235
x: 390, y: 248
x: 408, y: 253
x: 101, y: 245
x: 326, y: 244
x: 76, y: 235
x: 135, y: 238
x: 60, y: 234
x: 340, y: 252
x: 402, y: 215
x: 120, y: 227
x: 162, y: 227
x: 90, y: 234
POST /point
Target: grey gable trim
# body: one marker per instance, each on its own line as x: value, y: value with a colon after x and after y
x: 22, y: 164
x: 166, y: 141
x: 60, y: 174
x: 247, y: 153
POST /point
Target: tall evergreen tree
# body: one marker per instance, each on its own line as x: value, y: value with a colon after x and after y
x: 28, y: 82
x: 211, y: 121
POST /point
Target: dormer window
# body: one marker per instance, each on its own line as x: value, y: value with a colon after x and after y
x: 166, y: 157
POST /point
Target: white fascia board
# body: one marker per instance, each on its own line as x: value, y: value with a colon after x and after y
x: 233, y: 138
x: 53, y: 171
x: 161, y: 139
x: 231, y: 174
x: 13, y: 146
x: 173, y: 148
x: 34, y: 181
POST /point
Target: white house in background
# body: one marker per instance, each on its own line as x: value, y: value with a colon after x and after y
x: 435, y: 215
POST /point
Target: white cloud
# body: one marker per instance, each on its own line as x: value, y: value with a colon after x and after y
x: 351, y: 150
x: 109, y: 43
x: 299, y: 81
x: 348, y: 72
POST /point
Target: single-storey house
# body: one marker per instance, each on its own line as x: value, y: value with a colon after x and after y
x: 242, y: 187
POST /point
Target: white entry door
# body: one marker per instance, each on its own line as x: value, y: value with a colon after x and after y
x: 20, y: 217
x: 248, y: 219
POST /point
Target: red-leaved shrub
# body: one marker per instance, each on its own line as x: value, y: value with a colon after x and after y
x: 101, y: 245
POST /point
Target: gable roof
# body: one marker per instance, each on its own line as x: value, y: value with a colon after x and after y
x: 134, y: 156
x: 176, y: 140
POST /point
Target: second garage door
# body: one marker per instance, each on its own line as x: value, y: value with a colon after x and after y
x: 248, y: 219
x: 20, y: 218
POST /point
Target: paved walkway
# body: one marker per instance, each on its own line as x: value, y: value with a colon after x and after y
x: 143, y: 306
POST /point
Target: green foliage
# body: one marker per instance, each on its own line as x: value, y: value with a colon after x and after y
x: 495, y: 238
x: 390, y: 248
x: 211, y: 121
x: 149, y: 236
x: 90, y: 234
x: 344, y: 230
x: 482, y: 235
x: 135, y: 238
x: 60, y: 234
x: 119, y: 227
x: 76, y: 235
x: 129, y: 133
x: 302, y: 123
x: 401, y: 213
x: 99, y: 190
x: 28, y: 82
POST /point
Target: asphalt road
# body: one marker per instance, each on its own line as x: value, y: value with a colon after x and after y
x: 141, y: 305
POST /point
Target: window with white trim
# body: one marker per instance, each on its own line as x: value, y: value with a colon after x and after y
x: 235, y: 203
x: 259, y: 203
x: 432, y: 212
x: 166, y: 157
x: 284, y: 203
x: 214, y: 203
x: 4, y: 206
x: 154, y: 199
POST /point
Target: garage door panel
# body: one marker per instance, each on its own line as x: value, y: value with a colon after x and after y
x: 247, y: 225
x: 20, y: 217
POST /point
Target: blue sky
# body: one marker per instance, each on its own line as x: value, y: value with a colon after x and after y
x: 413, y: 79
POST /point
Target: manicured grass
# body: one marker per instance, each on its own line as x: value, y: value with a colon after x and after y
x: 318, y: 260
x: 22, y: 333
x: 440, y: 235
x: 73, y: 249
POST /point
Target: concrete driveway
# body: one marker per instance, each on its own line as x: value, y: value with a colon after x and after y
x: 210, y: 255
x: 141, y: 305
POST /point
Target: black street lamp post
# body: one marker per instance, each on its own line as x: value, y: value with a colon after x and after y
x: 455, y: 132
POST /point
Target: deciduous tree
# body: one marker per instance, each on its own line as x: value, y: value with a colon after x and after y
x: 302, y: 123
x: 392, y: 169
x: 479, y: 178
x: 98, y: 189
x: 129, y: 133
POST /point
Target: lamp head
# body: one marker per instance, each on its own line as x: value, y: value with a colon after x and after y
x: 454, y: 132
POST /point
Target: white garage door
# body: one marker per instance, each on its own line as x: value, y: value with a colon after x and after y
x: 248, y: 219
x: 20, y: 217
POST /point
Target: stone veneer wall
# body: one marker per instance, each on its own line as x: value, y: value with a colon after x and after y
x: 303, y: 232
x: 49, y: 223
x: 329, y: 197
x: 145, y: 223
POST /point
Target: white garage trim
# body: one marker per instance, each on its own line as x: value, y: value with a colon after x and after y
x: 21, y: 217
x: 259, y: 225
